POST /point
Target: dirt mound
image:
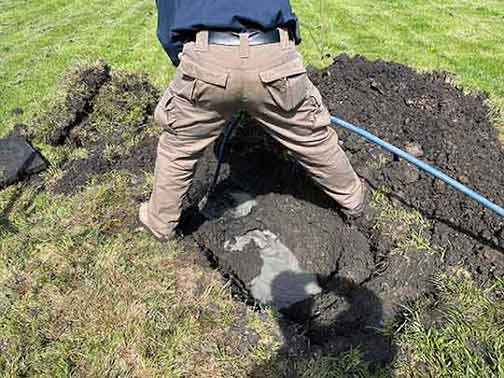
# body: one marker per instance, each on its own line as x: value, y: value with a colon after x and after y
x: 282, y: 241
x: 450, y: 130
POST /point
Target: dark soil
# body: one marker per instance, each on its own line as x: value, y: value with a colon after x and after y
x: 18, y: 160
x: 362, y: 282
x: 401, y: 106
x: 79, y: 172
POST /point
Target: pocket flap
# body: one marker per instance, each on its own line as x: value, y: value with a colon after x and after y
x: 196, y: 71
x: 164, y: 112
x: 292, y: 68
x: 167, y: 98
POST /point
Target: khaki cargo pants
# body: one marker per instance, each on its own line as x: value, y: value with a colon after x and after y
x: 270, y: 82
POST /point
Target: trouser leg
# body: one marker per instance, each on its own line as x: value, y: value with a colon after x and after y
x: 307, y: 133
x: 325, y: 161
x: 175, y: 164
x: 190, y: 129
x: 193, y: 111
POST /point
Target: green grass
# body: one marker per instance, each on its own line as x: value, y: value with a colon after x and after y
x: 458, y: 334
x: 82, y: 293
x: 40, y: 39
x: 405, y: 229
x: 85, y: 294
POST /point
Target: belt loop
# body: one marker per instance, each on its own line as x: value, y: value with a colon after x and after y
x: 244, y: 45
x: 284, y: 38
x: 201, y: 41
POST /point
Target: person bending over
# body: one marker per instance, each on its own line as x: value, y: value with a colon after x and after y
x: 230, y: 56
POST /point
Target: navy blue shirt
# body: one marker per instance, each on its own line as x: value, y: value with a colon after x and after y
x: 179, y: 20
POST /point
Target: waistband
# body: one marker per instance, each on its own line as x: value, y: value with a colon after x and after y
x: 244, y: 41
x: 255, y: 38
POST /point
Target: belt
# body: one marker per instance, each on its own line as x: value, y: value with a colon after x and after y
x: 233, y: 39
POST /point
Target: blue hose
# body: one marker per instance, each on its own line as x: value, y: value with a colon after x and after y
x: 420, y: 164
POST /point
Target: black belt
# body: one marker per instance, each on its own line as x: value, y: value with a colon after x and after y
x: 233, y: 39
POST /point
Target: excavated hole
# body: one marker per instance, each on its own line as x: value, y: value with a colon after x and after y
x: 423, y: 226
x: 269, y: 229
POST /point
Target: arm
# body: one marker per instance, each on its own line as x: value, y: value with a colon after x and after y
x: 166, y: 14
x: 296, y: 31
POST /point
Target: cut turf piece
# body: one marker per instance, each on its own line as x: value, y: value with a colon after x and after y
x: 117, y: 133
x: 18, y: 160
x: 81, y: 86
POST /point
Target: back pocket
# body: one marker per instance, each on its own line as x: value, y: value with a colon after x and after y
x: 287, y: 84
x: 209, y: 83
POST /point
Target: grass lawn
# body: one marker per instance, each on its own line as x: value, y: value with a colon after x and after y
x: 40, y: 39
x: 83, y: 294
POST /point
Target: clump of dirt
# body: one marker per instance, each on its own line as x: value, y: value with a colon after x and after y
x: 80, y: 87
x: 18, y: 160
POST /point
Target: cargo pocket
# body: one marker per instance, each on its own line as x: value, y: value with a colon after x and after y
x: 287, y: 84
x: 164, y: 114
x: 209, y: 84
x: 182, y: 85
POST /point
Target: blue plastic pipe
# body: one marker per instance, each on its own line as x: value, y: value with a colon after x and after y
x: 420, y: 164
